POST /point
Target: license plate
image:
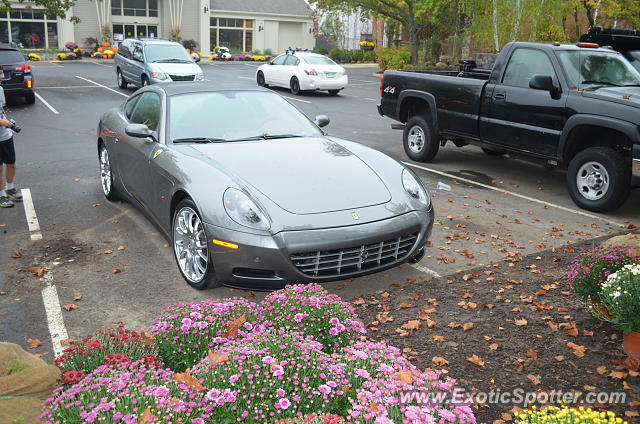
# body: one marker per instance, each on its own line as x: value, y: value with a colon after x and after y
x: 331, y: 74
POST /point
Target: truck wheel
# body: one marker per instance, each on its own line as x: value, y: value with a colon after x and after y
x: 419, y: 140
x: 599, y: 179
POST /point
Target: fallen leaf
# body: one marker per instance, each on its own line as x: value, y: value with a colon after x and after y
x: 437, y: 338
x: 115, y: 221
x: 359, y: 301
x: 234, y: 326
x: 530, y: 353
x: 16, y: 254
x: 187, y: 379
x: 405, y: 306
x: 145, y: 417
x: 37, y: 270
x: 475, y: 360
x: 618, y: 374
x: 76, y: 179
x: 147, y: 339
x: 601, y: 369
x: 494, y: 346
x: 577, y: 349
x: 216, y: 357
x: 631, y: 414
x: 405, y: 376
x: 519, y: 367
x: 521, y: 322
x: 412, y: 325
x: 166, y: 245
x: 467, y: 326
x: 108, y: 252
x: 535, y: 380
x: 439, y: 361
x: 70, y: 306
x: 33, y: 343
x: 121, y: 247
x: 116, y: 271
x: 77, y: 298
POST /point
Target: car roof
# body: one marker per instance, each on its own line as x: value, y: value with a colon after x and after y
x: 565, y: 47
x: 147, y: 40
x: 177, y: 88
x: 7, y: 46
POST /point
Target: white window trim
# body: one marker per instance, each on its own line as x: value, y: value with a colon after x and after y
x: 6, y: 17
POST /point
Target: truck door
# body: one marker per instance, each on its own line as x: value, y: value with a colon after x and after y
x: 524, y: 118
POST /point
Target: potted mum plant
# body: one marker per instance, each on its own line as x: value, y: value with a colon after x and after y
x: 590, y: 270
x: 620, y: 294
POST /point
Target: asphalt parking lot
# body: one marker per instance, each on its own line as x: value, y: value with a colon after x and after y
x: 488, y: 209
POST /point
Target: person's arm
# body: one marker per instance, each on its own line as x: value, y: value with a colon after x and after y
x: 5, y: 123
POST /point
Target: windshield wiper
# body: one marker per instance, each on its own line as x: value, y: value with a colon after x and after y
x: 199, y: 140
x: 602, y: 83
x: 267, y: 137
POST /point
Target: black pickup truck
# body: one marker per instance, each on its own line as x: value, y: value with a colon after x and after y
x: 570, y: 106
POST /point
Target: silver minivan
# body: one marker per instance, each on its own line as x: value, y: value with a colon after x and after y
x: 143, y: 61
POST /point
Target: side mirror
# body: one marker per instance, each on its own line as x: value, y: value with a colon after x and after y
x: 196, y: 59
x: 139, y: 131
x: 322, y: 120
x: 544, y: 82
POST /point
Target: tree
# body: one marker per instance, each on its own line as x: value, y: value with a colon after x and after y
x: 51, y: 7
x: 413, y: 15
x: 332, y: 29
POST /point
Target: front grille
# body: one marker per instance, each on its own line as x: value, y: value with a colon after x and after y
x: 182, y: 77
x: 330, y: 263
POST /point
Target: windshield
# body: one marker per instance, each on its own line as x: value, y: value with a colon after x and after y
x: 634, y: 58
x: 593, y: 70
x: 231, y: 115
x: 166, y: 53
x: 318, y: 60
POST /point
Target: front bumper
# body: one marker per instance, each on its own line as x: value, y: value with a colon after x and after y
x: 318, y: 83
x: 265, y: 261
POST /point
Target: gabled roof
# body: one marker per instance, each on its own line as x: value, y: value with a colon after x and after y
x: 280, y: 7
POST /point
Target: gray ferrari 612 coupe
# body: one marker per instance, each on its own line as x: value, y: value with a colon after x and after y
x: 253, y: 193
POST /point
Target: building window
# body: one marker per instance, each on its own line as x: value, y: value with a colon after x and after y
x: 29, y: 28
x: 120, y: 31
x: 134, y: 8
x: 235, y: 34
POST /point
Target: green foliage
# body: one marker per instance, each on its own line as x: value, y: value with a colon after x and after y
x: 337, y: 55
x: 268, y: 52
x: 393, y: 58
x: 17, y: 366
x: 52, y: 7
x: 620, y: 294
x: 190, y: 45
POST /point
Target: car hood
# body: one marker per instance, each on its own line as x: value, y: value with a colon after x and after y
x: 628, y: 95
x: 302, y: 175
x: 176, y: 68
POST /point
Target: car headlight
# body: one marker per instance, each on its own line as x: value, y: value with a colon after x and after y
x: 244, y: 211
x: 159, y: 75
x: 414, y: 187
x: 199, y: 77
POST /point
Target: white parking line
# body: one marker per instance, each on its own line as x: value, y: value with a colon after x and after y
x: 51, y: 108
x: 100, y: 64
x: 249, y: 78
x: 30, y: 212
x: 531, y: 199
x: 67, y: 87
x: 297, y: 100
x: 55, y: 322
x: 103, y: 86
x: 426, y: 270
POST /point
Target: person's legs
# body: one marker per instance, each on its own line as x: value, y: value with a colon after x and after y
x: 10, y: 165
x: 5, y: 202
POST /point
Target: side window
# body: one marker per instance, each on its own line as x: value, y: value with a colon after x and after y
x: 524, y: 64
x: 137, y: 52
x: 124, y: 51
x: 291, y: 61
x: 128, y: 107
x: 147, y: 111
x: 279, y: 60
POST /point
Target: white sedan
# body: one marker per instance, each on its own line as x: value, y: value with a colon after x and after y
x: 301, y: 71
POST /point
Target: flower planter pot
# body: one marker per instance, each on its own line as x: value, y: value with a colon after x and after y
x: 599, y: 310
x: 631, y: 345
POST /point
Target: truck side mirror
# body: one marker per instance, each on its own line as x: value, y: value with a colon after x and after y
x: 544, y: 82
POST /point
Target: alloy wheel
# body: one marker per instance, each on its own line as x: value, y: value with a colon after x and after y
x: 190, y: 244
x: 105, y: 171
x: 416, y: 139
x: 593, y: 180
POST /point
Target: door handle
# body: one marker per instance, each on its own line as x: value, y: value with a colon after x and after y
x: 499, y: 96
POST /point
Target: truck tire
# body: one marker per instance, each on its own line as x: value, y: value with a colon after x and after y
x: 599, y: 179
x: 419, y: 140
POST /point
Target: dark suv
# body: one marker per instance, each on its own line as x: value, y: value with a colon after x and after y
x: 17, y: 79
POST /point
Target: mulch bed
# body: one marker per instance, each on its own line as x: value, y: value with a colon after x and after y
x: 522, y: 323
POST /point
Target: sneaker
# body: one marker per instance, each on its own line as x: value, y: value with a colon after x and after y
x: 5, y: 202
x: 14, y: 195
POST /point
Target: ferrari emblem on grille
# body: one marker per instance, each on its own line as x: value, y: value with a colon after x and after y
x: 355, y: 216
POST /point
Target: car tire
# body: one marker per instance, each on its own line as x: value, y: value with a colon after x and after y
x: 30, y: 98
x: 294, y: 85
x: 419, y: 140
x: 261, y: 80
x: 190, y: 246
x: 494, y: 152
x: 122, y: 83
x: 106, y: 175
x: 144, y: 81
x: 599, y: 179
x: 333, y: 92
